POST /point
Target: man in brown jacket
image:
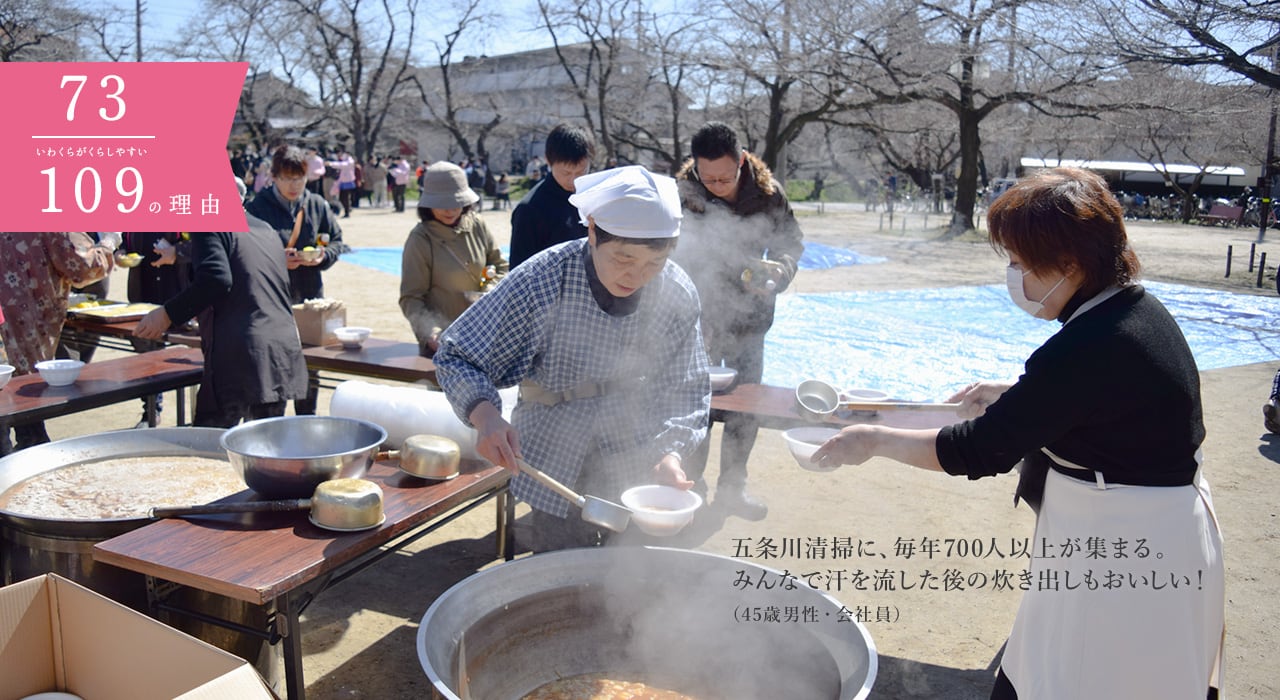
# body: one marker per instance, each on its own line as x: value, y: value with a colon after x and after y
x: 741, y: 246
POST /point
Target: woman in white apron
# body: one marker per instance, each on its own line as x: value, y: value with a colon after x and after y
x: 1106, y: 426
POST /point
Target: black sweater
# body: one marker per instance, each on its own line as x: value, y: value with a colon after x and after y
x: 542, y: 219
x: 1116, y: 390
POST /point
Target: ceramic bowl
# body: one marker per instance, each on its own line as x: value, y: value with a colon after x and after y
x: 59, y: 372
x: 722, y: 377
x: 352, y: 337
x: 6, y: 373
x: 661, y: 510
x: 803, y: 442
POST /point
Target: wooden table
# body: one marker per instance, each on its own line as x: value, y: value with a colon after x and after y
x: 775, y: 407
x: 29, y: 398
x: 377, y: 358
x: 116, y: 334
x: 282, y: 560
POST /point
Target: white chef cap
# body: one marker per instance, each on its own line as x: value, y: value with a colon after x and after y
x: 629, y: 202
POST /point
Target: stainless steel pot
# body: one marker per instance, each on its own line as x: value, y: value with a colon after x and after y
x: 672, y: 618
x: 31, y: 546
x: 288, y: 457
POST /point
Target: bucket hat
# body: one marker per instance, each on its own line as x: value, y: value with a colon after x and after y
x: 444, y: 186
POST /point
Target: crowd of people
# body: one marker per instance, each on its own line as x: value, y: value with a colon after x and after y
x: 625, y: 286
x: 333, y: 175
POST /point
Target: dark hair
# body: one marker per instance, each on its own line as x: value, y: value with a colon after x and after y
x: 288, y: 159
x: 425, y: 215
x: 1061, y: 216
x: 715, y: 140
x: 603, y: 236
x: 569, y: 144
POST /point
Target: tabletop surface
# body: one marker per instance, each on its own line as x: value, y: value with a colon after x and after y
x: 387, y: 359
x: 775, y: 407
x: 79, y: 324
x: 256, y: 557
x: 103, y: 382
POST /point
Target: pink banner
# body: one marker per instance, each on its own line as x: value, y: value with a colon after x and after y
x: 120, y: 146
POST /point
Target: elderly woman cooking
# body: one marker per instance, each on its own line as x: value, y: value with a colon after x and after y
x: 602, y: 336
x: 1106, y: 421
x: 449, y: 257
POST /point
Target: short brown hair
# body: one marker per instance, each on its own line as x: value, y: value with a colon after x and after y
x: 1057, y: 217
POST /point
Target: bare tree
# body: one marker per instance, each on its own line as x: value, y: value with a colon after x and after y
x: 670, y: 44
x: 1188, y: 122
x: 242, y: 31
x: 40, y: 30
x: 943, y: 53
x: 782, y: 66
x: 358, y: 54
x: 595, y: 31
x: 1235, y: 35
x: 113, y: 37
x: 446, y: 104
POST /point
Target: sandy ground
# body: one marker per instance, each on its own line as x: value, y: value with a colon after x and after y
x: 360, y: 635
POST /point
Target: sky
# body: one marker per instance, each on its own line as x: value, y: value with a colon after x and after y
x: 162, y: 19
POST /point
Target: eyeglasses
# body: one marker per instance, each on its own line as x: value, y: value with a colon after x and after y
x: 719, y: 181
x: 292, y: 180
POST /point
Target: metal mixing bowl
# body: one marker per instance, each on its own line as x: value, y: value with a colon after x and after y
x: 288, y: 457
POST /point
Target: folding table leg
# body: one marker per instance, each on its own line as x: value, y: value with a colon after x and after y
x: 149, y: 409
x: 291, y: 638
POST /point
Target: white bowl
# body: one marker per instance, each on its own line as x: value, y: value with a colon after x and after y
x: 59, y: 372
x: 352, y: 337
x: 863, y: 395
x: 722, y: 377
x: 6, y: 373
x: 661, y: 510
x: 803, y: 442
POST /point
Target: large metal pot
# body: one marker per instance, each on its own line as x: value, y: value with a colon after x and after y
x: 287, y: 457
x: 689, y: 621
x: 32, y: 546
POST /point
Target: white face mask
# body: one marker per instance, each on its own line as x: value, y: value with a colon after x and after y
x: 1013, y: 280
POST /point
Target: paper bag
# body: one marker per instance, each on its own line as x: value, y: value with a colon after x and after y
x: 317, y: 319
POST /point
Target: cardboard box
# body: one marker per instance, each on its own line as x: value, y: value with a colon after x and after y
x: 58, y: 635
x: 317, y: 319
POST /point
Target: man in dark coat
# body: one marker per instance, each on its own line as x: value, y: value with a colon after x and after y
x: 280, y: 205
x: 741, y: 245
x: 545, y: 217
x: 253, y: 361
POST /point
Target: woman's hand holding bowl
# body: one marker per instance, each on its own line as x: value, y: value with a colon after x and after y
x: 854, y: 444
x: 975, y: 398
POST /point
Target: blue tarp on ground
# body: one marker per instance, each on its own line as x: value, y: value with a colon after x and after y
x: 922, y: 344
x: 816, y: 257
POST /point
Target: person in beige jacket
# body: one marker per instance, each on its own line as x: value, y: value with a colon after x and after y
x: 449, y: 259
